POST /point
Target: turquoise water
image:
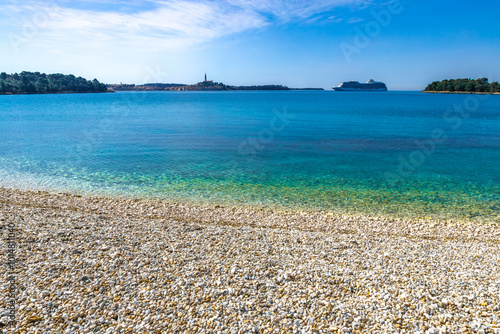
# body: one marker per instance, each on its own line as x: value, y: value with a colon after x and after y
x: 396, y: 153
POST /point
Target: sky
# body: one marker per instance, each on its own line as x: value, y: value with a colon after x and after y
x: 405, y: 43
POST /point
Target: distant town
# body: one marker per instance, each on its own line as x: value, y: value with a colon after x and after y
x: 41, y: 83
x: 205, y: 85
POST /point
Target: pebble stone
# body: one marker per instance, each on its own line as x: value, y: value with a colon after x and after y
x: 117, y: 265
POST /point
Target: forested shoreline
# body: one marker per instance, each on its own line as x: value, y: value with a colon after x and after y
x: 41, y: 83
x: 480, y: 85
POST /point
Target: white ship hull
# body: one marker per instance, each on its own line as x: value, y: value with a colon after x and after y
x: 340, y: 89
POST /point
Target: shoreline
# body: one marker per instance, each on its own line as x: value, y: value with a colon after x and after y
x: 94, y: 264
x: 52, y: 93
x: 449, y: 92
x: 210, y: 211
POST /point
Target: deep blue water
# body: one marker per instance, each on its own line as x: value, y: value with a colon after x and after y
x: 398, y: 153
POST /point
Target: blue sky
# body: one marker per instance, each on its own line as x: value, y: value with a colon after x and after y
x: 404, y: 43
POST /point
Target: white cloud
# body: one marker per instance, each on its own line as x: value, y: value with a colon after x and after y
x: 162, y: 24
x: 115, y: 40
x: 173, y: 25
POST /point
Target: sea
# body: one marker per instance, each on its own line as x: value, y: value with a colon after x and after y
x: 398, y: 154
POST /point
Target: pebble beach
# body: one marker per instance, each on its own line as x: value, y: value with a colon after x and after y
x: 115, y: 265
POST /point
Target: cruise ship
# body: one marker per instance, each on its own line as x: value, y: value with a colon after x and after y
x: 355, y: 86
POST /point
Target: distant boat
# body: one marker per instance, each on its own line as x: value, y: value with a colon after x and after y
x: 356, y: 86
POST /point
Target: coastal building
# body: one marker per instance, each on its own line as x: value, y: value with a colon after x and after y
x: 211, y: 81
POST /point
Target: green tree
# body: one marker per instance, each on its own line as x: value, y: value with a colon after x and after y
x: 470, y: 86
x: 460, y: 85
x: 494, y: 87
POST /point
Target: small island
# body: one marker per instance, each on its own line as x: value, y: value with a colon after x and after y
x: 41, y: 83
x: 464, y: 86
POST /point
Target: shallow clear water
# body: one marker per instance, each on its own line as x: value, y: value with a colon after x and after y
x: 397, y: 153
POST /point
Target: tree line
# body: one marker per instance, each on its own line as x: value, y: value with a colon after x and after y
x: 36, y: 82
x: 262, y: 87
x: 464, y: 85
x: 222, y: 86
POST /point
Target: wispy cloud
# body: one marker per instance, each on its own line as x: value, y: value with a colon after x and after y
x: 354, y: 20
x: 161, y: 24
x: 295, y: 10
